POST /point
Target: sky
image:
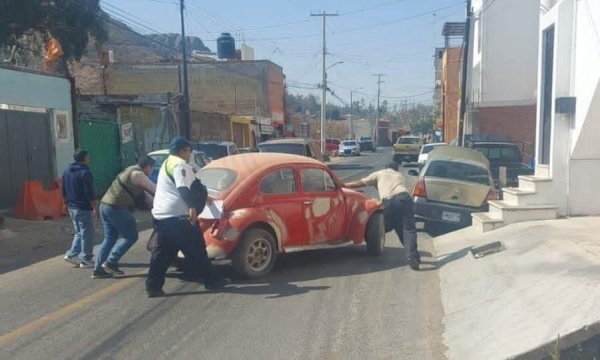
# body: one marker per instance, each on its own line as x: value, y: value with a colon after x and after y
x: 392, y: 37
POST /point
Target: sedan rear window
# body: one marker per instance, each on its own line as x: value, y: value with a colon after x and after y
x: 458, y: 171
x: 409, y: 140
x: 294, y: 149
x: 217, y: 179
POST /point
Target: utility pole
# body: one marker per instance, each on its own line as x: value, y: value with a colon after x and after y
x: 185, y: 109
x: 465, y: 59
x: 351, y: 118
x: 324, y: 15
x: 374, y: 127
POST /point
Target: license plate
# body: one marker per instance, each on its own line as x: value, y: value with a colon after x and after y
x: 450, y: 216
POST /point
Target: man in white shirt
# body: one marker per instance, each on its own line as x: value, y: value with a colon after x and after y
x: 397, y: 207
x: 176, y: 224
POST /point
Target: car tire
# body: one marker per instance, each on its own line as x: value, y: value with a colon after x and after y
x: 375, y: 234
x: 255, y: 254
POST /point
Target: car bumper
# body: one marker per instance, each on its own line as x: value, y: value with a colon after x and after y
x: 348, y: 152
x: 444, y: 213
x: 406, y: 157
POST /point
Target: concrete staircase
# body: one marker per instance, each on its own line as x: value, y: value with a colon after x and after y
x: 525, y: 203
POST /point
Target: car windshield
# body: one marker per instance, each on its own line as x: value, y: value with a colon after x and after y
x: 458, y: 171
x: 500, y: 153
x: 409, y: 140
x: 349, y: 143
x: 295, y: 149
x: 217, y: 178
x: 214, y: 151
x: 159, y: 158
x: 365, y: 138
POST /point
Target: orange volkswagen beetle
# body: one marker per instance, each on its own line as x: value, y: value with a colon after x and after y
x: 281, y: 203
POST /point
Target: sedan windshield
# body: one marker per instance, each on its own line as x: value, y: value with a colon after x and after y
x: 458, y: 171
x: 349, y: 143
x: 214, y: 151
x: 294, y: 149
x: 217, y: 179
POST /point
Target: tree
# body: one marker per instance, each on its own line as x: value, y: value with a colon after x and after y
x: 71, y: 22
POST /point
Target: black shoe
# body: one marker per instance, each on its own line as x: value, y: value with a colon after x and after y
x: 414, y: 263
x: 101, y: 274
x: 112, y: 268
x: 155, y: 293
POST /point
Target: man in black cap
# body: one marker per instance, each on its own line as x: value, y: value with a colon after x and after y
x: 175, y: 221
x: 397, y: 207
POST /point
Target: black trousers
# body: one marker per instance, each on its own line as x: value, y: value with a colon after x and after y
x: 399, y: 216
x: 177, y: 234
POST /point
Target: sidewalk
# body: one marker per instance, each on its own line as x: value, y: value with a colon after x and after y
x: 515, y: 303
x: 25, y: 242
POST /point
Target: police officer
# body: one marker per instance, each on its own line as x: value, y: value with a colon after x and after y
x: 397, y: 207
x: 176, y: 223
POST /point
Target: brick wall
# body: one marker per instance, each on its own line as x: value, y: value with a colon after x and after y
x: 516, y: 122
x: 209, y: 126
x: 451, y: 92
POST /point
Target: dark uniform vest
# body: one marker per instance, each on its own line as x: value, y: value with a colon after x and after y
x: 123, y: 193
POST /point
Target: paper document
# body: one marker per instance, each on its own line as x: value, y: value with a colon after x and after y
x: 213, y: 210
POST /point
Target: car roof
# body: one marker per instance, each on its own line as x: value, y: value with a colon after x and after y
x: 288, y: 141
x: 166, y: 152
x: 410, y: 136
x: 216, y: 142
x: 458, y: 154
x: 494, y: 143
x: 249, y: 163
x: 435, y: 144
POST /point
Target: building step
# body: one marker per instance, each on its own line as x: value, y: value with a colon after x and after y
x: 534, y: 183
x: 484, y: 222
x: 518, y: 213
x: 518, y: 196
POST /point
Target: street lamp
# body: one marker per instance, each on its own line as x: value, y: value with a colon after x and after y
x: 334, y: 64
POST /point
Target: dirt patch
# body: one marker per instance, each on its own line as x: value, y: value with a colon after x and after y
x: 25, y: 242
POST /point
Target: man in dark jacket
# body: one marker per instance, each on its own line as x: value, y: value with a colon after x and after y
x: 78, y: 193
x: 116, y: 208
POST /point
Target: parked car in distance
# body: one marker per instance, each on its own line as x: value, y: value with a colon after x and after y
x: 502, y: 154
x: 295, y: 146
x: 217, y: 149
x: 281, y: 203
x: 367, y: 143
x: 332, y: 145
x: 246, y: 150
x: 197, y: 161
x: 425, y: 150
x: 454, y: 183
x: 349, y: 148
x: 407, y: 148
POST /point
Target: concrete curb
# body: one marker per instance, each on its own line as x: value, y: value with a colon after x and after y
x: 565, y: 342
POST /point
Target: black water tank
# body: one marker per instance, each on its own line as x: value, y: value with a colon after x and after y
x: 226, y: 46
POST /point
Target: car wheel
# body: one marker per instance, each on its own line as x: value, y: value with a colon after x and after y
x: 375, y: 235
x: 255, y: 254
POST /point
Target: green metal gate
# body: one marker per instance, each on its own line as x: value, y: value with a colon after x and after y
x: 101, y: 139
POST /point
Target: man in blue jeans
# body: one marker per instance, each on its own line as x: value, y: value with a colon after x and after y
x: 130, y: 188
x: 78, y: 193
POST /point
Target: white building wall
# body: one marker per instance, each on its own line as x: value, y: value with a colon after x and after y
x: 508, y: 55
x: 575, y: 153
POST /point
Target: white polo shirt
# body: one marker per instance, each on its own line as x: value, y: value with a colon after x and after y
x: 167, y: 201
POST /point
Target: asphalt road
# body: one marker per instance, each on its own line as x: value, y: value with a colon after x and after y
x: 330, y: 304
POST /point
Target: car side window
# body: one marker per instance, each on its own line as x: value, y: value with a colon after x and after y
x: 316, y: 180
x: 280, y: 181
x: 199, y: 160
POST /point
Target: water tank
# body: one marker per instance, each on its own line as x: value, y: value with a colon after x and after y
x: 226, y: 46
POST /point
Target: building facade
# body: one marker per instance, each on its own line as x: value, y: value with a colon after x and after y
x: 502, y: 71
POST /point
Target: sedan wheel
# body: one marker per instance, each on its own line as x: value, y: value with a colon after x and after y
x: 255, y: 254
